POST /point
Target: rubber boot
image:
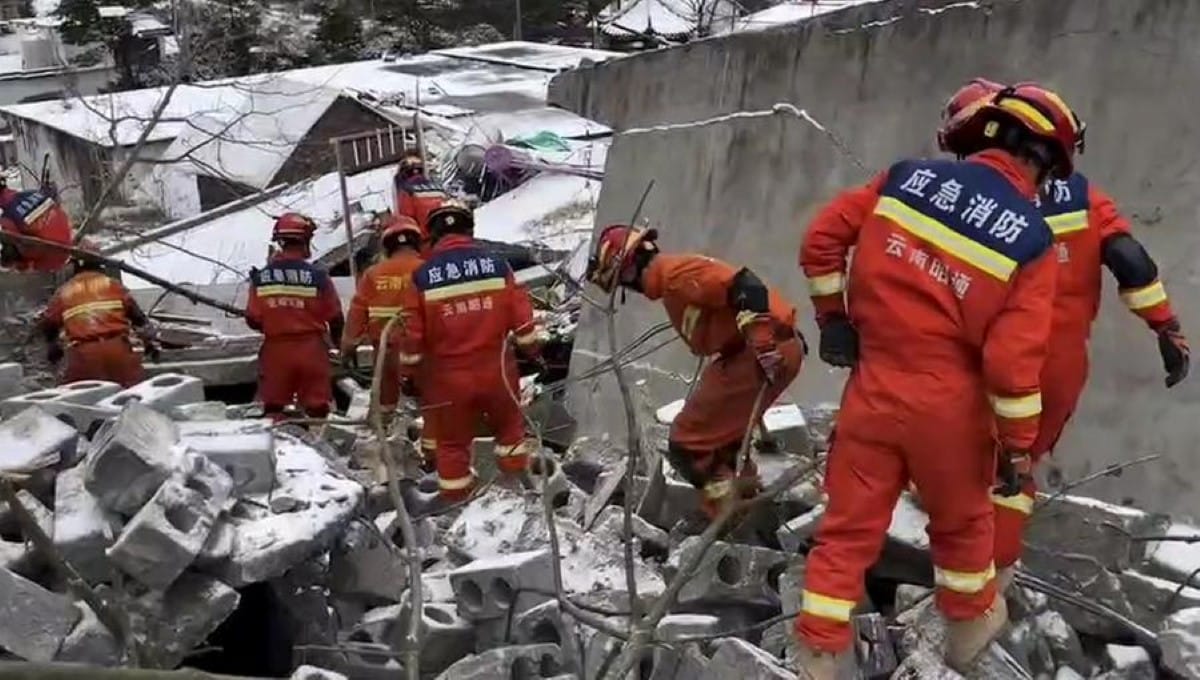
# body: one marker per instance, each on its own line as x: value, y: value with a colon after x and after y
x: 812, y: 664
x: 966, y: 640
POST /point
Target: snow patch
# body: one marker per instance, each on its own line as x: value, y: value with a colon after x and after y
x: 667, y: 414
x: 909, y: 523
x: 1124, y: 657
x: 1177, y: 557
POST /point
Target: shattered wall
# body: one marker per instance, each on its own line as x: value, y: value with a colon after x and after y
x: 744, y: 188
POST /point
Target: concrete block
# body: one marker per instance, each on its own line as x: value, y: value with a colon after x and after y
x: 1179, y: 639
x: 314, y: 673
x: 787, y: 428
x: 541, y: 625
x: 183, y: 616
x: 131, y: 459
x: 33, y: 440
x: 245, y: 449
x: 1152, y: 598
x: 168, y: 532
x: 688, y: 664
x: 612, y: 523
x: 84, y: 392
x: 161, y: 393
x: 1086, y: 575
x: 491, y: 588
x: 544, y: 469
x: 36, y: 621
x: 731, y: 573
x: 446, y: 637
x: 205, y: 411
x: 1129, y: 662
x: 607, y: 486
x: 83, y: 529
x: 1076, y: 525
x: 799, y: 531
x: 90, y: 642
x: 1173, y: 560
x: 527, y: 661
x: 669, y: 659
x: 736, y: 658
x: 572, y: 504
x: 906, y: 555
x: 11, y: 375
x: 363, y: 565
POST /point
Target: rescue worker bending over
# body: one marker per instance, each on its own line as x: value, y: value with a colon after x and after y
x: 723, y: 312
x: 95, y: 312
x: 33, y: 213
x: 1089, y: 231
x: 294, y: 305
x: 379, y: 298
x: 417, y: 195
x: 459, y: 313
x: 945, y: 320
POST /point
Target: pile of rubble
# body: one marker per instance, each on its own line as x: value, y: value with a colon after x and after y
x: 171, y: 509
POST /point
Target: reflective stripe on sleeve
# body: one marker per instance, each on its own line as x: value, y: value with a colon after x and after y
x: 826, y: 284
x: 382, y: 312
x: 89, y: 307
x: 456, y: 484
x: 428, y: 444
x: 1017, y: 407
x: 1067, y: 223
x: 1147, y: 296
x: 1022, y: 503
x: 825, y: 607
x: 966, y: 582
x: 409, y: 359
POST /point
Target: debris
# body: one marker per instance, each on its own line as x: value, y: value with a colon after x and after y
x: 176, y: 621
x: 873, y: 647
x: 527, y: 661
x: 131, y: 459
x: 314, y: 673
x: 363, y: 565
x: 785, y: 424
x: 36, y: 621
x: 1130, y: 662
x: 244, y: 448
x: 90, y: 642
x: 1075, y: 525
x: 84, y: 392
x: 800, y: 530
x: 491, y: 588
x: 731, y: 573
x: 33, y: 440
x: 11, y: 375
x: 736, y: 658
x: 1180, y: 643
x: 83, y: 529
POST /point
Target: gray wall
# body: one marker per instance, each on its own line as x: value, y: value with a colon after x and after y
x: 744, y: 189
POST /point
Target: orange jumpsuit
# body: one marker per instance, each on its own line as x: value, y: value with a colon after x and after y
x: 380, y: 297
x: 459, y: 312
x: 294, y: 305
x: 416, y: 197
x: 1082, y: 218
x: 95, y: 312
x: 694, y: 289
x: 951, y: 294
x: 32, y: 213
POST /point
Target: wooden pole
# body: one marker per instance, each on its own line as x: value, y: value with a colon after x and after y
x: 337, y: 152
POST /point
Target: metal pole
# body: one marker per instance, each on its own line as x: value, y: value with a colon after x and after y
x: 517, y: 23
x: 417, y: 127
x: 337, y: 152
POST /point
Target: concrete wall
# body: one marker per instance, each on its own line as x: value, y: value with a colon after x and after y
x: 743, y: 189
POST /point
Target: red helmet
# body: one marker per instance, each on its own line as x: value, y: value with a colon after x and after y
x: 961, y: 106
x: 451, y: 217
x: 293, y: 227
x: 612, y: 260
x: 411, y: 163
x: 402, y: 229
x: 1034, y: 110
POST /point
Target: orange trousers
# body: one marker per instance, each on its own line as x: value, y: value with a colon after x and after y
x: 295, y: 368
x: 455, y: 396
x: 111, y: 359
x: 1063, y: 377
x: 935, y: 428
x: 713, y: 422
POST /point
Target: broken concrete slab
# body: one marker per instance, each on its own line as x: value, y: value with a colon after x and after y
x: 1064, y: 642
x: 540, y: 625
x: 1179, y: 640
x: 1084, y: 526
x: 90, y: 642
x: 491, y: 588
x: 83, y: 529
x: 607, y: 485
x: 162, y: 393
x: 908, y: 595
x: 36, y: 621
x: 546, y: 473
x: 526, y: 661
x: 1152, y: 598
x: 166, y: 535
x: 1130, y: 662
x: 245, y: 449
x: 799, y: 531
x: 131, y: 459
x: 178, y: 620
x: 611, y: 523
x: 84, y: 392
x: 33, y: 440
x: 1173, y: 560
x: 1087, y: 575
x: 363, y: 565
x: 736, y: 658
x: 730, y: 572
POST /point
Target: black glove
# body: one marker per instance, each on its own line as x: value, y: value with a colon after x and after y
x: 839, y: 342
x: 1173, y: 347
x: 348, y: 357
x: 54, y: 353
x: 408, y: 387
x: 1013, y: 470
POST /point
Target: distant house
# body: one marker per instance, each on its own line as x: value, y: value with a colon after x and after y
x: 649, y: 23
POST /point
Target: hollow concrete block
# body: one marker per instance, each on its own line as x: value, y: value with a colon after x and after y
x: 83, y: 529
x: 161, y: 393
x: 490, y: 588
x: 732, y: 573
x: 245, y: 449
x: 35, y: 621
x: 131, y: 458
x: 83, y: 392
x: 33, y: 440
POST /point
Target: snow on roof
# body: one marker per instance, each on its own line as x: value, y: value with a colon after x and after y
x: 551, y: 209
x: 530, y: 55
x: 792, y: 11
x: 672, y: 18
x: 224, y: 249
x: 250, y: 142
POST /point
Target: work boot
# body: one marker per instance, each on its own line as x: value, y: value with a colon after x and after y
x: 812, y: 664
x: 966, y: 640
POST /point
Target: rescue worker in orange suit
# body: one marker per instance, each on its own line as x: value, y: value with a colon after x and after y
x: 33, y: 213
x: 1089, y: 231
x: 944, y: 319
x: 723, y: 312
x: 459, y: 313
x: 294, y: 305
x: 95, y: 313
x: 417, y: 195
x: 379, y: 298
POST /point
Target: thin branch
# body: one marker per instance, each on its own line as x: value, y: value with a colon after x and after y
x: 1110, y: 470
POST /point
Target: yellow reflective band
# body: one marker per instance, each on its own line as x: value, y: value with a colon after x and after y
x: 967, y: 582
x: 827, y: 284
x: 1017, y: 407
x: 1028, y: 112
x: 426, y: 194
x: 382, y: 312
x: 456, y: 484
x: 428, y: 443
x: 933, y: 231
x: 409, y: 359
x: 39, y: 211
x: 287, y: 291
x: 720, y: 489
x: 832, y: 608
x: 687, y: 326
x: 106, y: 306
x: 1022, y: 503
x: 1067, y: 223
x: 745, y: 318
x: 468, y: 288
x: 508, y: 451
x: 1141, y: 298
